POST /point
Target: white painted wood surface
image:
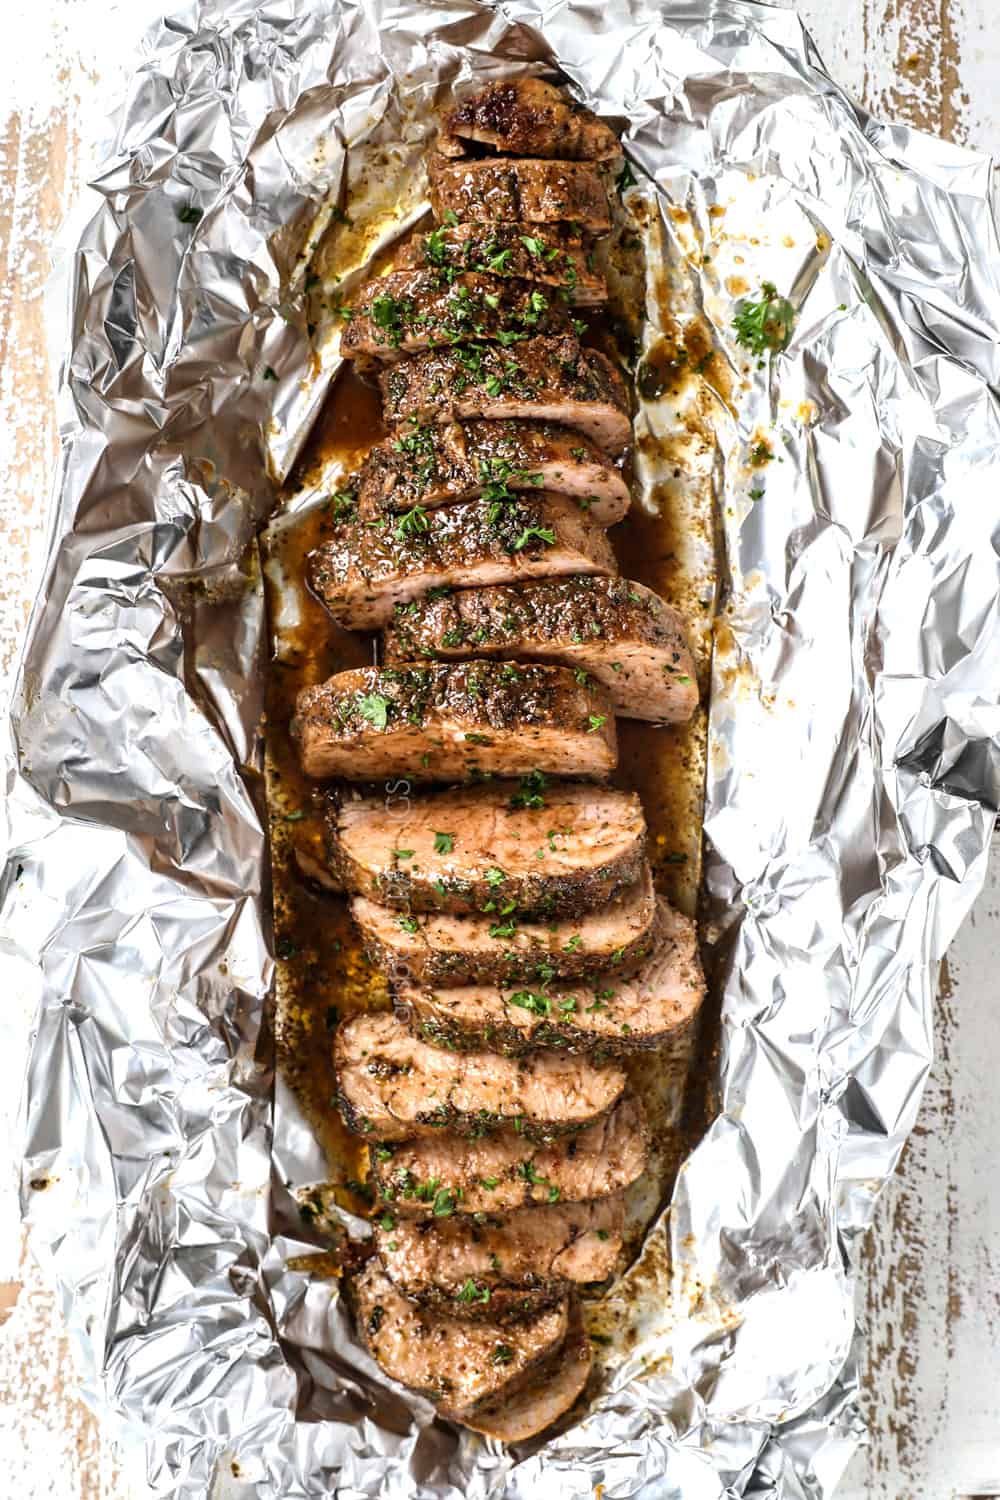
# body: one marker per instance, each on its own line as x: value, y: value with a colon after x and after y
x: 930, y: 1294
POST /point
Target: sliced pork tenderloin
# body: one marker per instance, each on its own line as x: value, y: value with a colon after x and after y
x: 527, y: 189
x: 391, y: 1086
x: 454, y: 723
x: 369, y: 567
x: 504, y: 1268
x: 455, y: 1362
x: 608, y: 1016
x: 558, y: 852
x: 527, y: 117
x: 429, y: 465
x: 544, y: 379
x: 550, y: 1393
x: 621, y: 634
x: 435, y: 1176
x: 548, y: 254
x: 444, y: 949
x: 404, y: 311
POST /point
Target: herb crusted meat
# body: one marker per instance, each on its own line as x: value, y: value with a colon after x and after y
x: 504, y: 1267
x: 622, y: 635
x: 546, y: 253
x: 510, y: 908
x: 442, y: 723
x: 370, y: 567
x: 446, y: 949
x: 429, y: 465
x: 438, y: 1175
x: 543, y: 379
x: 528, y: 117
x: 559, y: 851
x: 530, y: 191
x: 407, y: 310
x: 391, y: 1085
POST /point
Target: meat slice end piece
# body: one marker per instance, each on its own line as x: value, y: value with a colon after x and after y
x: 454, y: 1362
x: 528, y: 117
x: 548, y: 1396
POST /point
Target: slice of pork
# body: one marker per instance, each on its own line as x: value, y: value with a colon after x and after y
x: 395, y: 314
x: 369, y: 567
x: 544, y: 253
x: 621, y: 634
x: 455, y: 1362
x: 430, y: 465
x: 438, y: 1175
x: 527, y: 117
x: 534, y: 191
x: 503, y: 1268
x: 558, y: 851
x: 545, y: 379
x: 454, y: 723
x: 550, y: 1393
x: 391, y: 1085
x: 609, y: 1015
x: 444, y: 949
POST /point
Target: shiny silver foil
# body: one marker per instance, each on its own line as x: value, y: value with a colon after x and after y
x: 853, y: 773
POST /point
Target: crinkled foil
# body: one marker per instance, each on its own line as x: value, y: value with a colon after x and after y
x: 853, y: 769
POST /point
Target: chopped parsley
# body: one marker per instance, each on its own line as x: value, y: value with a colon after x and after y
x: 596, y: 722
x: 374, y: 708
x: 530, y: 790
x: 765, y: 326
x: 444, y: 843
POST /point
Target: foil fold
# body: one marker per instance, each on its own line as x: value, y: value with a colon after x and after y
x: 853, y: 761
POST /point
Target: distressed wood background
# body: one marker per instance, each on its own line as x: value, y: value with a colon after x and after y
x: 930, y: 1287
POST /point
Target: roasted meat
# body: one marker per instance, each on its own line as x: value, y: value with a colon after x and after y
x: 454, y: 723
x: 544, y: 379
x: 455, y: 1362
x: 505, y: 1267
x: 428, y: 465
x: 548, y: 254
x: 444, y: 949
x: 553, y: 1388
x: 434, y: 1176
x: 391, y: 1085
x: 496, y: 191
x: 621, y: 634
x: 407, y: 310
x: 369, y: 567
x: 558, y: 851
x: 527, y: 117
x: 608, y: 1015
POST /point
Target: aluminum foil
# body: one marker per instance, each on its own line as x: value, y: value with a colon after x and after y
x: 853, y: 769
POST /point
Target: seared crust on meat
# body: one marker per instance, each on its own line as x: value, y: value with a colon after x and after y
x: 391, y: 1085
x: 430, y: 465
x: 455, y: 1362
x: 528, y: 117
x: 569, y: 852
x: 500, y: 1172
x: 534, y: 192
x: 406, y: 310
x: 444, y: 949
x: 443, y: 723
x: 368, y: 568
x: 608, y: 1016
x: 503, y: 1268
x: 546, y: 253
x: 621, y: 634
x: 544, y: 379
